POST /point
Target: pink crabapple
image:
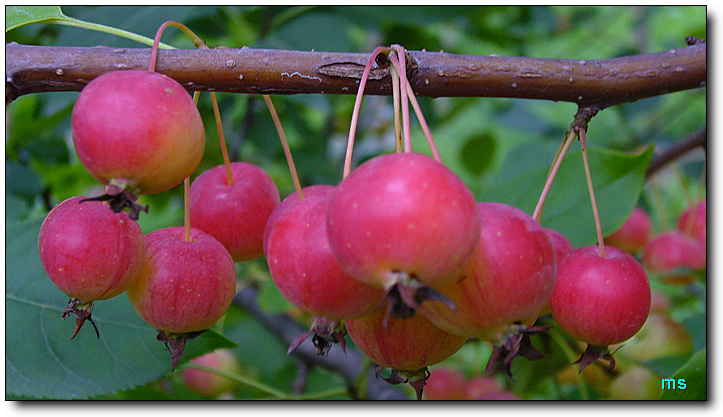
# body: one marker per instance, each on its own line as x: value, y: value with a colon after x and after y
x: 90, y: 253
x: 185, y: 285
x: 234, y: 214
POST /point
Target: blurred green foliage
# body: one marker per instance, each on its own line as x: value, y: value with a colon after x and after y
x: 500, y: 147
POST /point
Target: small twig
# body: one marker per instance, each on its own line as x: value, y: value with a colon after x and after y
x: 697, y: 139
x: 349, y: 365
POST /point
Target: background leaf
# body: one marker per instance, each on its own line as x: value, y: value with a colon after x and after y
x: 695, y: 375
x: 40, y: 359
x: 16, y: 16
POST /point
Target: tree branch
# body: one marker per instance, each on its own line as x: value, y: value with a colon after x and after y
x: 349, y: 365
x: 589, y: 83
x: 699, y: 138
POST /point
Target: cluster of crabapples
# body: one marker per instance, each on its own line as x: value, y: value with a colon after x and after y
x: 399, y: 254
x: 139, y: 132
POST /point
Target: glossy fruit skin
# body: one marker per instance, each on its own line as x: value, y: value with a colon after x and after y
x: 671, y: 250
x: 404, y: 344
x: 291, y: 199
x: 89, y: 252
x: 234, y: 214
x: 184, y: 286
x: 138, y: 130
x: 303, y: 266
x: 693, y: 221
x: 634, y: 234
x: 510, y: 279
x: 208, y: 384
x: 404, y: 213
x: 600, y: 301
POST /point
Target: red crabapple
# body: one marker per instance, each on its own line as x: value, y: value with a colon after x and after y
x: 506, y: 285
x: 693, y: 221
x: 138, y: 131
x: 403, y: 221
x: 89, y: 253
x: 234, y: 213
x: 407, y: 346
x: 633, y: 234
x: 600, y: 300
x: 306, y: 272
x: 208, y: 384
x: 185, y: 285
x: 670, y: 251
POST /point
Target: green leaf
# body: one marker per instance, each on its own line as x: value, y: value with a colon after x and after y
x: 40, y: 359
x: 16, y: 16
x: 617, y: 177
x: 694, y: 380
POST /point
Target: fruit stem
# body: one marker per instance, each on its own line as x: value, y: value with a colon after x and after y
x: 397, y: 110
x: 222, y: 139
x: 402, y: 73
x: 357, y: 107
x: 397, y: 65
x: 197, y: 42
x: 285, y: 145
x: 596, y: 214
x: 556, y: 162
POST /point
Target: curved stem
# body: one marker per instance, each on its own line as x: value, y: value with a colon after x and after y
x: 396, y: 104
x: 197, y: 42
x: 222, y: 139
x: 70, y: 21
x: 357, y: 108
x: 557, y: 161
x: 400, y: 65
x: 588, y: 176
x: 285, y: 145
x: 423, y: 124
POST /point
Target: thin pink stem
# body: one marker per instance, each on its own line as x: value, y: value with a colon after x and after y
x: 561, y: 152
x: 357, y: 108
x: 222, y: 140
x: 285, y: 145
x: 595, y: 212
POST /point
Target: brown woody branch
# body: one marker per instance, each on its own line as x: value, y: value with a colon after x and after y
x: 589, y: 83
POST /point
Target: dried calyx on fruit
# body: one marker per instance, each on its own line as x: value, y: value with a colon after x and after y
x: 306, y: 272
x: 504, y: 288
x: 89, y: 253
x: 138, y: 131
x: 403, y: 222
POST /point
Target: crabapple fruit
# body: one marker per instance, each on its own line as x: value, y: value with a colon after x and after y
x: 208, y: 384
x: 403, y: 219
x: 306, y: 272
x: 667, y: 252
x: 506, y: 285
x: 90, y: 253
x: 185, y: 286
x: 445, y: 383
x: 234, y: 213
x: 633, y: 234
x: 137, y: 130
x: 600, y: 300
x: 407, y: 346
x: 693, y: 221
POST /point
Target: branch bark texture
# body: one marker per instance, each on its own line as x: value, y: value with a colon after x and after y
x: 589, y: 83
